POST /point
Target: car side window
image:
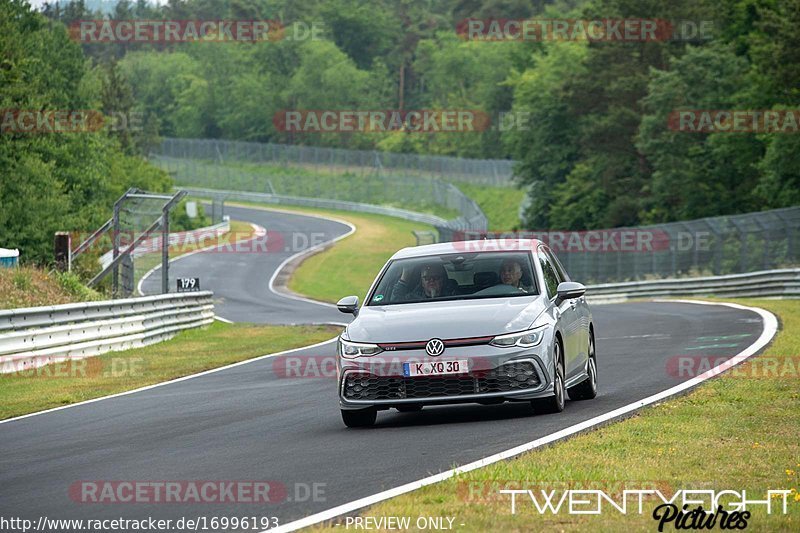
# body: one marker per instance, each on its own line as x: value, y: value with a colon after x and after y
x: 559, y: 268
x: 550, y: 276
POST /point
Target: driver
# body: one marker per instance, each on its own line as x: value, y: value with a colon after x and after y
x: 511, y: 273
x: 433, y: 284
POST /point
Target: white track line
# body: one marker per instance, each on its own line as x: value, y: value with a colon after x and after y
x: 258, y: 231
x: 176, y: 380
x: 308, y: 251
x: 770, y: 328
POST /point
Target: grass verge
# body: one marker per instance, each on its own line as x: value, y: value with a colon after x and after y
x: 738, y: 431
x: 499, y: 204
x: 29, y: 286
x: 189, y: 352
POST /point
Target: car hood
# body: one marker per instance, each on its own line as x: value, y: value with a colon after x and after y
x: 444, y: 320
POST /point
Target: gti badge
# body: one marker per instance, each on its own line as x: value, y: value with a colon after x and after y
x: 434, y: 347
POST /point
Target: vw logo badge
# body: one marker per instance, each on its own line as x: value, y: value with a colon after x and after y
x: 434, y: 347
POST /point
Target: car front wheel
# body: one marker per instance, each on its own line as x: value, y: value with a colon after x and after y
x: 554, y: 403
x: 587, y: 389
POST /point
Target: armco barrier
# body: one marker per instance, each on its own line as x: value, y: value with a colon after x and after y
x: 37, y: 336
x: 321, y: 203
x: 783, y: 283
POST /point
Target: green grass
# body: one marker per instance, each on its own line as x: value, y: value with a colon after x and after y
x: 499, y: 204
x: 30, y: 286
x: 351, y: 265
x: 189, y: 352
x: 732, y: 432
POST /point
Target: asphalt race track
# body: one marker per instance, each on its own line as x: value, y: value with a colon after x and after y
x: 240, y: 281
x: 249, y: 423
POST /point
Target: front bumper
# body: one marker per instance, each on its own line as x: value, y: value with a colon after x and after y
x: 495, y: 375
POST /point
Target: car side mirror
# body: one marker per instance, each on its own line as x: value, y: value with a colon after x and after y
x: 569, y: 290
x: 348, y: 304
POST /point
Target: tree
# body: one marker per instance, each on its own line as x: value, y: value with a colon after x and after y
x: 696, y: 174
x: 547, y: 147
x: 54, y: 181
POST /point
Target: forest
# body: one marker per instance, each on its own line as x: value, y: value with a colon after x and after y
x: 595, y: 149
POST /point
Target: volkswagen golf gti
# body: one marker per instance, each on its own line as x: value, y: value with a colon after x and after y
x: 466, y: 322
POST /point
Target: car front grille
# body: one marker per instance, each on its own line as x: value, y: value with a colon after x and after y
x: 506, y: 378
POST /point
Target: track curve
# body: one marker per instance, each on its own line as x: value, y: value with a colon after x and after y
x: 240, y: 279
x: 250, y: 422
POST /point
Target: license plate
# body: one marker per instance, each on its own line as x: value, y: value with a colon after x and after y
x: 436, y: 368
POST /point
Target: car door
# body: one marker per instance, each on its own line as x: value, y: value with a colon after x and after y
x: 566, y: 316
x: 583, y: 315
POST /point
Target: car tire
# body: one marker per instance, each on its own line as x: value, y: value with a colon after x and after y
x: 554, y: 403
x: 359, y: 419
x: 410, y: 408
x: 587, y: 389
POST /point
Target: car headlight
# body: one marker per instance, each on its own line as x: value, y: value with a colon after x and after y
x: 351, y: 350
x: 523, y: 339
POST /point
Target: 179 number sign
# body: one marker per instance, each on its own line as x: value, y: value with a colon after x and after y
x: 188, y: 284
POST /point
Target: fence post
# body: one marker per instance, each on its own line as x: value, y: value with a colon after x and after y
x: 63, y: 251
x: 115, y: 254
x: 165, y: 250
x: 789, y: 232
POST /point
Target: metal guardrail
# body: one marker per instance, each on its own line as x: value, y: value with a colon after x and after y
x: 783, y: 283
x: 36, y: 336
x: 324, y: 204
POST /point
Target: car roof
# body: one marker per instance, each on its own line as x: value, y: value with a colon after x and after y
x: 485, y: 245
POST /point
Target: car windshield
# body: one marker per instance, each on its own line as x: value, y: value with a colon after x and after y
x: 465, y: 276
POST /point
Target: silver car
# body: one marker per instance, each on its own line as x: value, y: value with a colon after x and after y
x: 472, y: 321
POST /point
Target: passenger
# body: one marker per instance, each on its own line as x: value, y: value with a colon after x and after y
x: 433, y: 284
x: 511, y: 273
